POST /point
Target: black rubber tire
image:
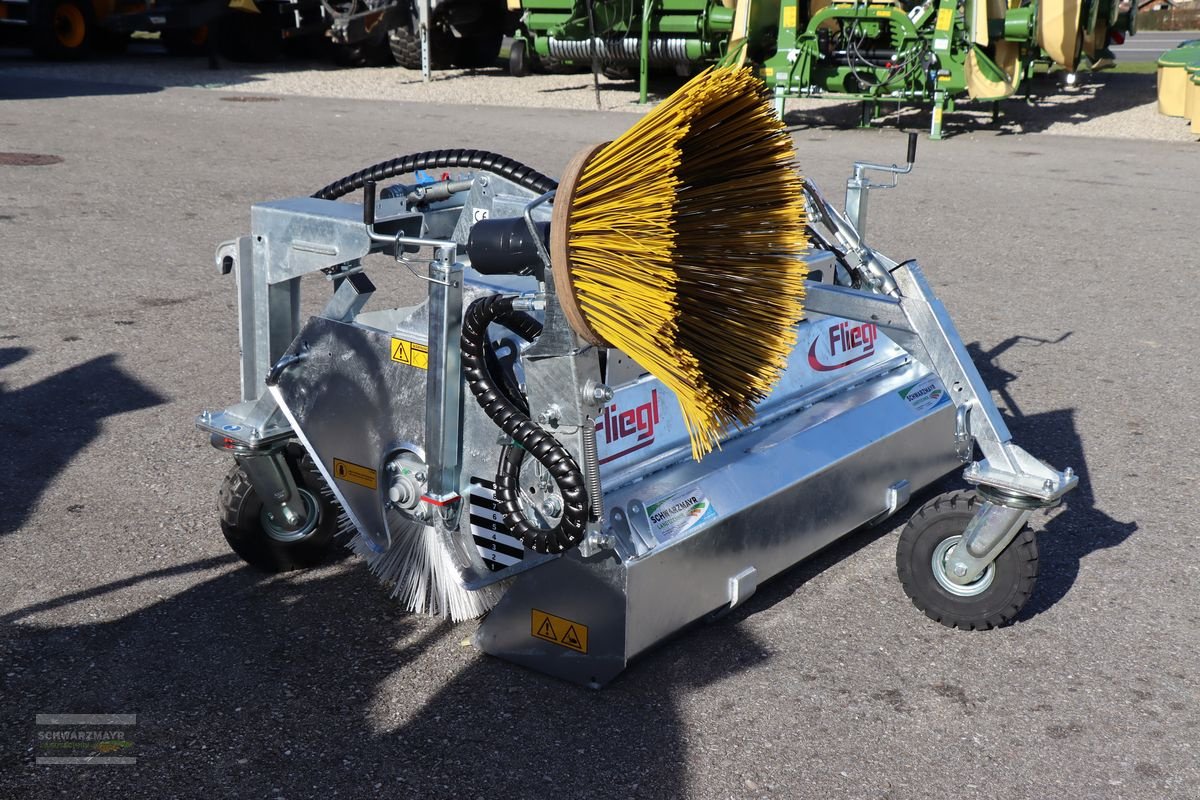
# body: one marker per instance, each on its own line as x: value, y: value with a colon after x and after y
x: 241, y: 522
x: 1016, y: 569
x: 406, y: 48
x: 50, y: 37
x: 518, y: 63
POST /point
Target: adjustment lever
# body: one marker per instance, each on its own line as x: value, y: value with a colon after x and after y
x: 858, y: 185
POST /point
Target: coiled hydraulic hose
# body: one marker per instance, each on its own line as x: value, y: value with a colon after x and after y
x: 528, y: 436
x: 494, y: 163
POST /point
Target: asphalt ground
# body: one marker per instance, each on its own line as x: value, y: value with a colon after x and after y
x: 1067, y: 263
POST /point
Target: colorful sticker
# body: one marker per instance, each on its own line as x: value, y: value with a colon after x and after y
x: 412, y: 353
x: 567, y: 633
x: 675, y: 515
x: 355, y: 473
x: 924, y: 395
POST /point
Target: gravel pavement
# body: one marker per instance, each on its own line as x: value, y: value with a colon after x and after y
x: 1065, y: 261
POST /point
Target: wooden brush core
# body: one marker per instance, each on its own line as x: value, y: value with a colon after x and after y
x: 560, y: 259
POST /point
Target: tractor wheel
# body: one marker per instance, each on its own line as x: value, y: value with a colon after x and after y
x: 63, y: 29
x: 186, y: 41
x: 406, y: 48
x: 263, y: 544
x: 992, y: 599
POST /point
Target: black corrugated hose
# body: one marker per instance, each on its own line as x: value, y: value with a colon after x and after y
x: 494, y: 163
x: 528, y: 436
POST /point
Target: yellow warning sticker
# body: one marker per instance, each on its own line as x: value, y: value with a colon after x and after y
x: 945, y: 18
x: 572, y: 635
x: 354, y: 473
x: 411, y: 353
x: 789, y: 16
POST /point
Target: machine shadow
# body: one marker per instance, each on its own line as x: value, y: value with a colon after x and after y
x: 45, y: 425
x: 305, y: 685
x: 27, y: 88
x: 1081, y: 528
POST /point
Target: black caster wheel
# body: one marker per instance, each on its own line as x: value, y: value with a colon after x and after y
x: 265, y: 545
x: 992, y: 599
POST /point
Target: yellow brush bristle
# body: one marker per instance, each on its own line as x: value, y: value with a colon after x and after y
x: 686, y: 242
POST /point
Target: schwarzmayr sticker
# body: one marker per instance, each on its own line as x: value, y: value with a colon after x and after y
x: 678, y: 513
x: 924, y: 395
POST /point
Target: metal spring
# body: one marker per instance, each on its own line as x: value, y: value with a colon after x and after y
x: 591, y: 470
x: 664, y: 50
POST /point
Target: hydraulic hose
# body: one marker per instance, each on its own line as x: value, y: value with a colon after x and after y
x: 527, y: 436
x: 494, y: 163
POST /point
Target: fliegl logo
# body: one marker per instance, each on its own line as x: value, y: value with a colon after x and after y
x: 842, y: 344
x: 627, y: 430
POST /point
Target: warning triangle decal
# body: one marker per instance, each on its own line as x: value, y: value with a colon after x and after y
x: 571, y: 638
x: 547, y: 631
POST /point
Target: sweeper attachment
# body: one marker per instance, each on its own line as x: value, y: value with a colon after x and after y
x: 487, y: 449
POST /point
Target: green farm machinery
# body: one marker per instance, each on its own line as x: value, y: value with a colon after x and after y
x: 876, y: 51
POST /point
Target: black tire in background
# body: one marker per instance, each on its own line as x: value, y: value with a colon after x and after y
x: 64, y: 30
x: 518, y: 64
x: 251, y: 535
x: 405, y: 45
x: 993, y: 599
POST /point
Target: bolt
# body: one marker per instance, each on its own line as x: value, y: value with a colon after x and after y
x: 1068, y: 473
x: 420, y: 477
x: 960, y: 569
x: 636, y: 508
x: 1048, y: 485
x: 602, y: 541
x: 552, y: 506
x: 602, y: 393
